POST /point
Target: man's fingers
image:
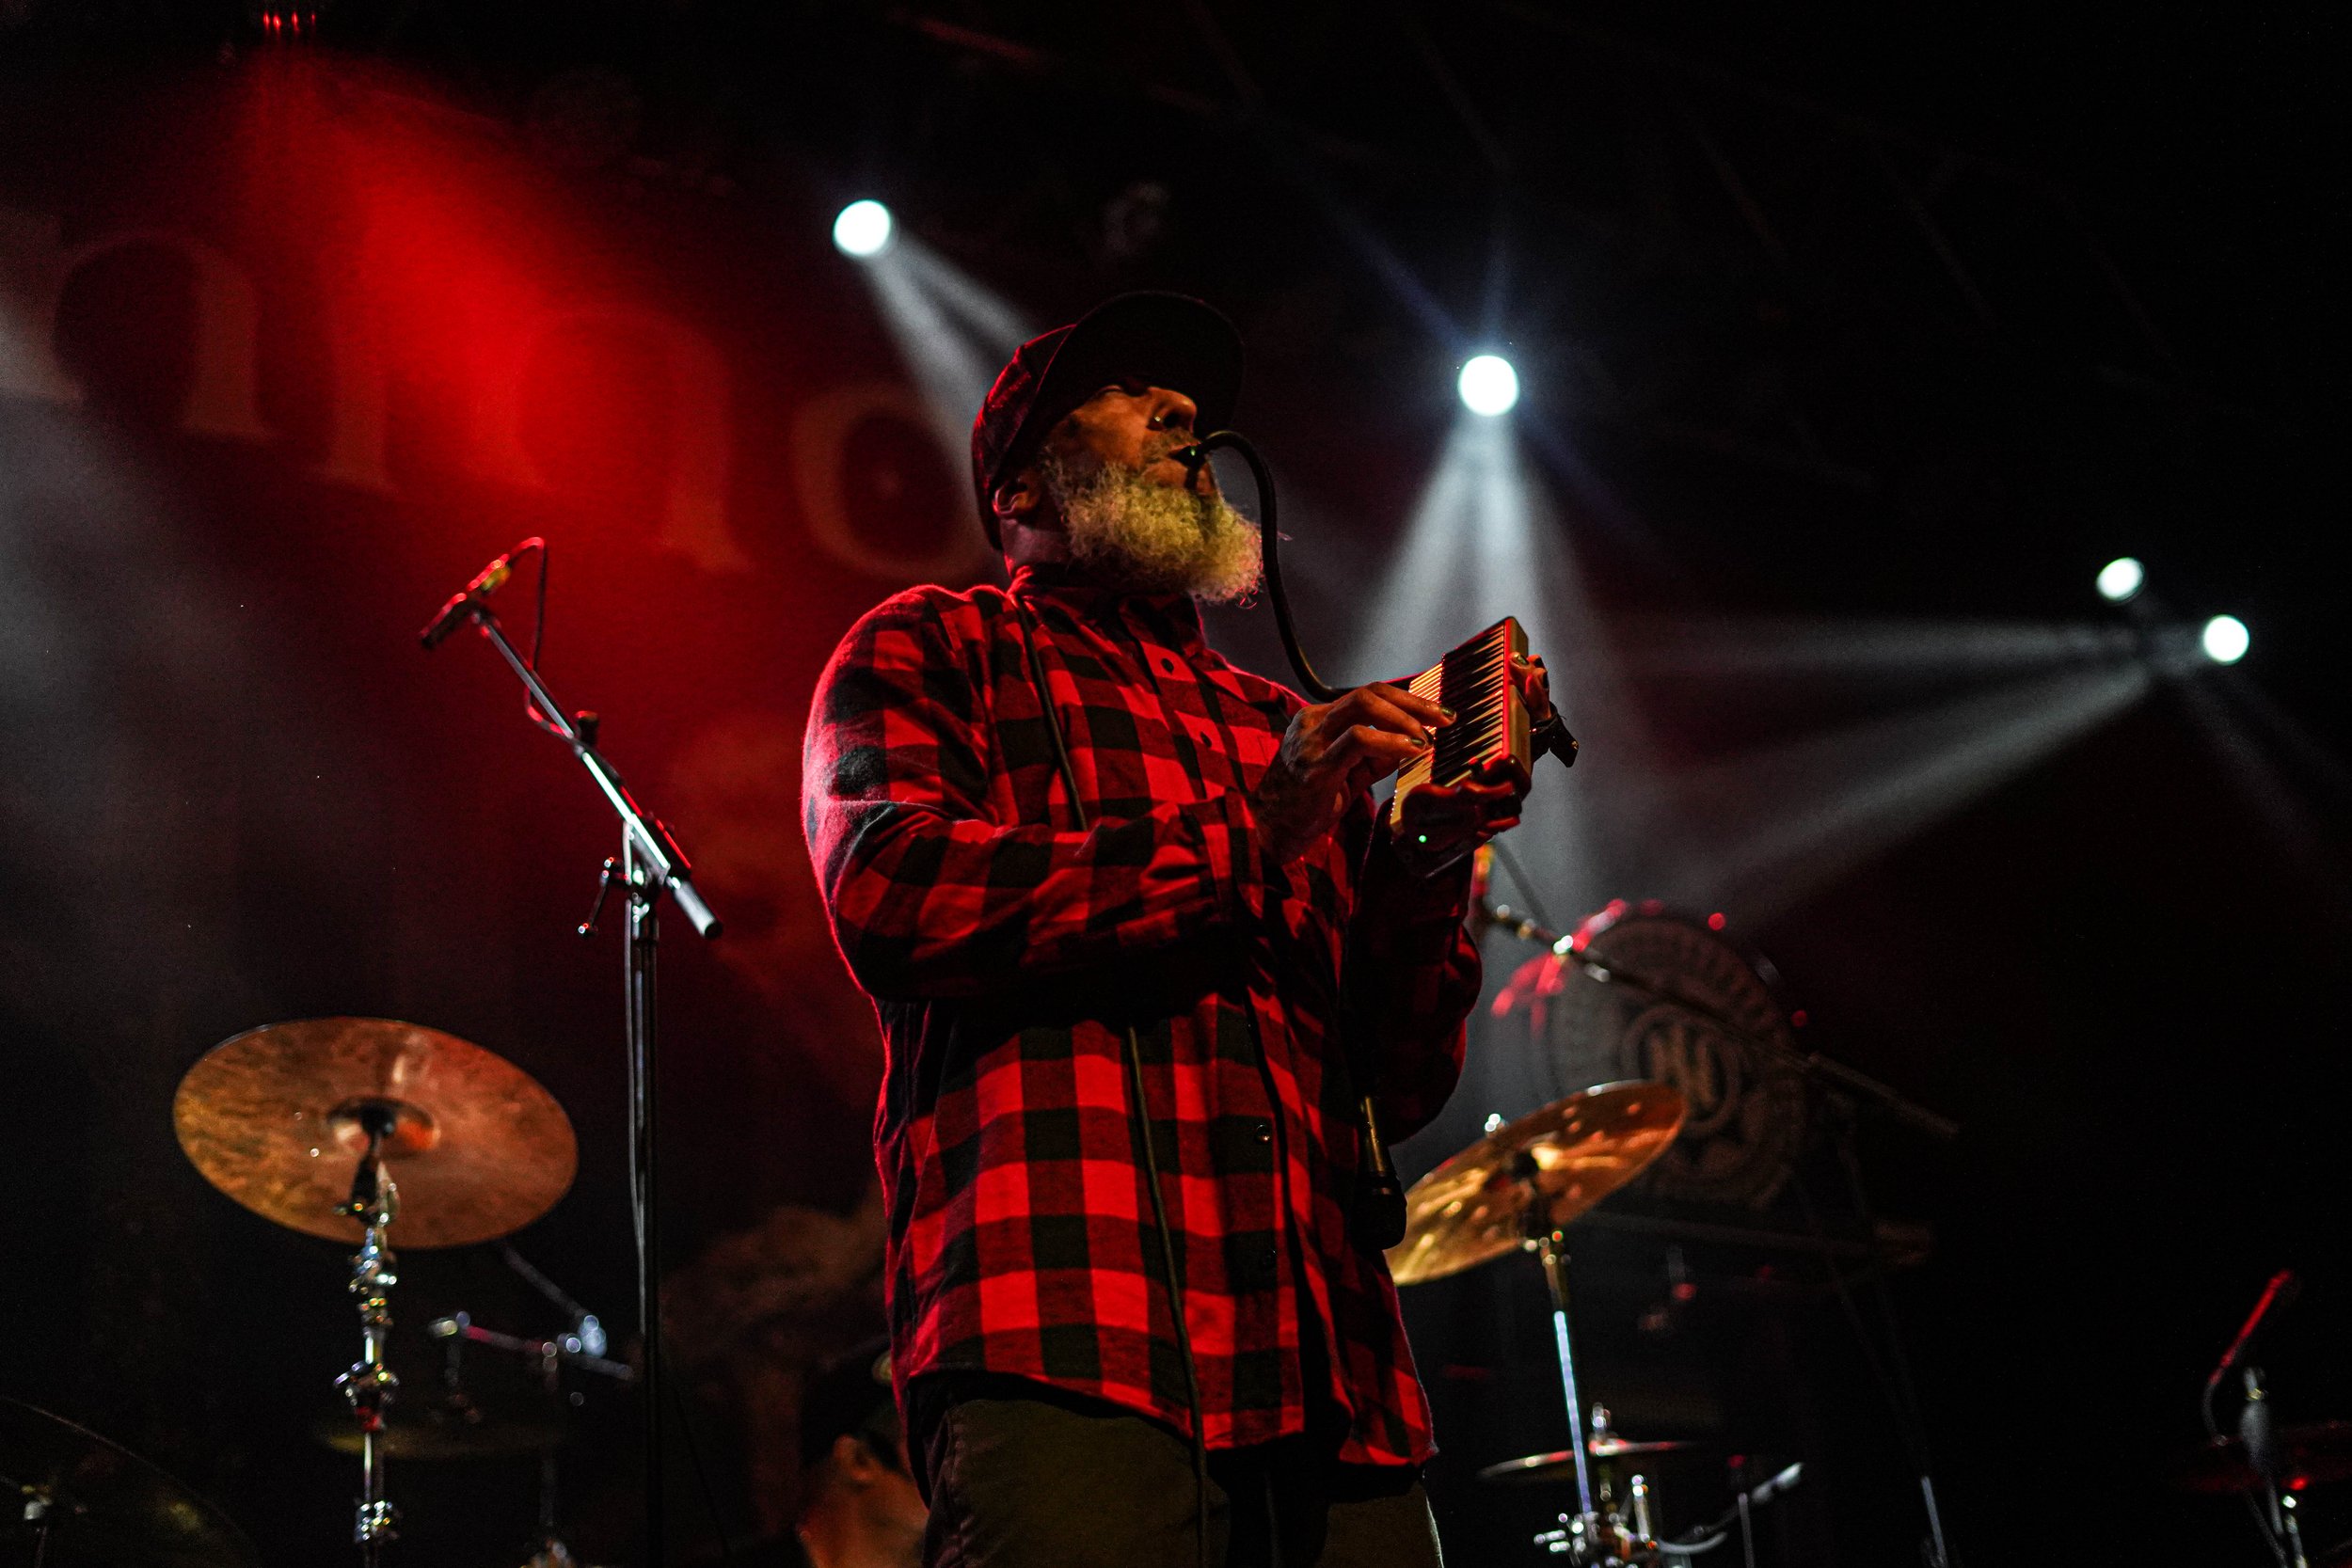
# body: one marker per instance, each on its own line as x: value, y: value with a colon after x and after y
x: 1365, y: 756
x: 1371, y: 706
x: 1384, y: 696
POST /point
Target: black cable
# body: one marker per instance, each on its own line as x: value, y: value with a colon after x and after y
x: 1139, y: 1124
x: 539, y: 609
x: 1198, y: 453
x: 538, y: 633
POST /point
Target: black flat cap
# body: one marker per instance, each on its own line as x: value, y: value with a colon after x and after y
x: 1168, y: 340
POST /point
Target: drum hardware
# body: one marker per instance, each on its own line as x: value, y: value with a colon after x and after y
x: 551, y: 1358
x: 1739, y: 1517
x: 1845, y: 1088
x: 270, y: 1116
x: 370, y: 1385
x: 568, y: 1349
x: 650, y: 864
x: 76, y: 1500
x: 587, y: 1328
x: 1519, y: 1188
x: 1628, y: 1534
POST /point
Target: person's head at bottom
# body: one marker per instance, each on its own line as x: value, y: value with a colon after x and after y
x: 860, y: 1508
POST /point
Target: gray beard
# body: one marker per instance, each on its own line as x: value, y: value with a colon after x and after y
x: 1132, y: 533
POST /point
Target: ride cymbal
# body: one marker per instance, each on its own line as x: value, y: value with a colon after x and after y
x: 1567, y: 1157
x: 100, y: 1505
x: 274, y: 1119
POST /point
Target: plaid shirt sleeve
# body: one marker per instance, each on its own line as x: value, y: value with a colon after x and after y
x: 1410, y: 978
x: 931, y: 895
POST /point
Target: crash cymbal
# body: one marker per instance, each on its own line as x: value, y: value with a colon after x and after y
x: 104, y: 1505
x: 272, y: 1118
x: 2310, y: 1454
x: 1561, y: 1466
x: 1574, y: 1151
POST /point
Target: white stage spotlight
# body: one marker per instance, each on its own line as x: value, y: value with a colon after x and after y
x: 2120, y: 578
x: 863, y: 229
x: 1488, y: 385
x: 2225, y: 640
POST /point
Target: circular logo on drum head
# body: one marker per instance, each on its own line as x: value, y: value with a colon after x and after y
x: 1745, y: 1116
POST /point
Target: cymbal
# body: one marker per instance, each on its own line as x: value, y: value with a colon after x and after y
x: 272, y: 1118
x: 1554, y: 1466
x: 105, y: 1505
x: 2310, y: 1454
x: 443, y: 1427
x: 1577, y: 1151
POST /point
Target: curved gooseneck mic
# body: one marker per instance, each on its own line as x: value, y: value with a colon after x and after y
x: 1193, y: 457
x: 1377, y: 1217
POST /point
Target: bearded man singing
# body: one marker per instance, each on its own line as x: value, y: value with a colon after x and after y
x: 1138, y: 942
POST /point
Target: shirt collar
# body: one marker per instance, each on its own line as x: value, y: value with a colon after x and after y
x: 1170, y: 618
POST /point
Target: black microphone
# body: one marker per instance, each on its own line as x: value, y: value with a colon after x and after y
x: 2277, y: 1297
x: 460, y: 608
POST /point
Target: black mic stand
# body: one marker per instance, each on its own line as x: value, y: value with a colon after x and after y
x: 649, y: 864
x: 2275, y: 1512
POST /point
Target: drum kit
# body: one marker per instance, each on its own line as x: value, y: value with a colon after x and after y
x: 344, y: 1128
x: 349, y: 1128
x: 1519, y: 1189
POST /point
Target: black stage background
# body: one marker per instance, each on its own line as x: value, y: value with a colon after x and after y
x: 1837, y: 399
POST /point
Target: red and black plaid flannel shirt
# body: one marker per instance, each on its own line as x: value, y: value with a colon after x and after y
x: 1008, y: 950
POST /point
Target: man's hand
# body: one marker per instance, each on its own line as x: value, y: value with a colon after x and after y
x: 1441, y: 823
x: 1332, y: 752
x: 1534, y: 683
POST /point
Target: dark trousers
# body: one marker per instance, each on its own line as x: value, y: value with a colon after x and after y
x: 1053, y: 1483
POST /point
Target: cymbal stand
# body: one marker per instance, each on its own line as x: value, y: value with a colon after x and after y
x: 1549, y: 1244
x: 1844, y: 1089
x: 370, y: 1385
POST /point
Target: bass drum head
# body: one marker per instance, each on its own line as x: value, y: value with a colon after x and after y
x: 1745, y: 1118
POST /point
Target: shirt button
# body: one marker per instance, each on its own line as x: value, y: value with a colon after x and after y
x: 1262, y: 1130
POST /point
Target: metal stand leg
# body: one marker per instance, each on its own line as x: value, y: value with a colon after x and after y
x: 1553, y: 1252
x: 645, y: 939
x: 1586, y: 1535
x: 370, y: 1385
